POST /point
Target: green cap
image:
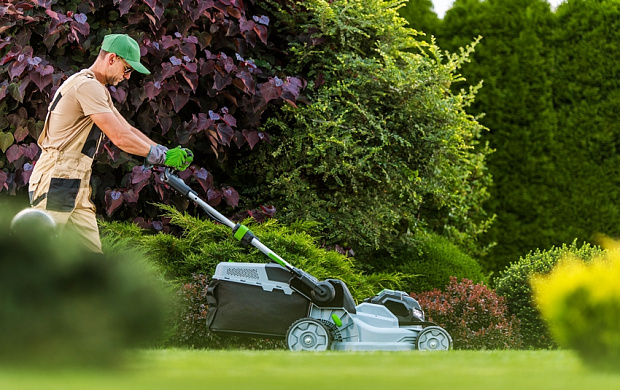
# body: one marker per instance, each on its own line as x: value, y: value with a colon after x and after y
x: 125, y: 47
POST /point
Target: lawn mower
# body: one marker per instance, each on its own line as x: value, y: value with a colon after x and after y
x: 278, y: 300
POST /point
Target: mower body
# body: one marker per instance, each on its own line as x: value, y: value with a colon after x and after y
x: 266, y: 300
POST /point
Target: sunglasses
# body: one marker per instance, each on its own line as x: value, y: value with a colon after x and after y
x: 128, y: 69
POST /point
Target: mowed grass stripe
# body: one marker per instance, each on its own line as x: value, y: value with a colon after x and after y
x: 256, y: 370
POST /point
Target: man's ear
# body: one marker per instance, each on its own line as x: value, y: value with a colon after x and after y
x: 111, y: 58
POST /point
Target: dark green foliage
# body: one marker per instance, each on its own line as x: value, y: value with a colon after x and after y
x: 549, y: 100
x: 383, y: 148
x: 514, y: 285
x: 421, y: 17
x: 61, y: 305
x: 586, y: 176
x: 515, y: 64
x: 429, y: 261
x: 474, y: 315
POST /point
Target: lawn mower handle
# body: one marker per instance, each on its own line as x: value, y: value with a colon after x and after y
x: 179, y: 185
x: 321, y: 291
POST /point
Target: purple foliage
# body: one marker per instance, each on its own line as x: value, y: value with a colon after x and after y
x: 206, y: 91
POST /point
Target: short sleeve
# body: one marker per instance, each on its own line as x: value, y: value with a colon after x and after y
x: 93, y: 98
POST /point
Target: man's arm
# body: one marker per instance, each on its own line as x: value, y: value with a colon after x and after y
x: 123, y: 135
x: 134, y: 130
x: 132, y: 140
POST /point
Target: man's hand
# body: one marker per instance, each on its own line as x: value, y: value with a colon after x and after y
x: 179, y: 158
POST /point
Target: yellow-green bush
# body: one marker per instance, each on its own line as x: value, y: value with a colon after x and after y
x: 581, y: 303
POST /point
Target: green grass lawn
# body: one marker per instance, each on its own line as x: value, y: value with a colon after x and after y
x: 458, y: 370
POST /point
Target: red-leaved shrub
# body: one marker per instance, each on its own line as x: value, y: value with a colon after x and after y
x: 474, y: 315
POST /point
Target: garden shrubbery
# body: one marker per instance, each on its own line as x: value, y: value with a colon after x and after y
x: 190, y: 259
x: 514, y: 285
x: 428, y: 261
x: 581, y: 303
x: 474, y: 315
x: 383, y: 148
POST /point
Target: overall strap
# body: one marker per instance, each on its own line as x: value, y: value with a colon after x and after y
x: 69, y: 83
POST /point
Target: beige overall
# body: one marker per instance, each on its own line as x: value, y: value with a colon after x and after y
x: 60, y: 181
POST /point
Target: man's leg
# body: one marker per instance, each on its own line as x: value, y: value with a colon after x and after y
x: 84, y: 223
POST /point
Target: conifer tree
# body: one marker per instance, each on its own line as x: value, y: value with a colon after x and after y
x: 514, y: 64
x: 421, y: 16
x: 586, y: 93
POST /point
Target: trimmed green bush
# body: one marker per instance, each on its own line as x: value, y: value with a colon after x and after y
x: 514, y: 285
x: 474, y: 315
x: 551, y: 107
x: 429, y: 261
x: 581, y: 303
x: 514, y: 61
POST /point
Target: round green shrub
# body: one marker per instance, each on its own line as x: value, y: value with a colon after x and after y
x: 430, y: 261
x: 514, y: 285
x: 581, y: 303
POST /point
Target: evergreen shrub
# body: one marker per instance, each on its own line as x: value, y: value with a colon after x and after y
x: 550, y: 105
x: 514, y: 285
x: 474, y: 315
x: 581, y: 303
x: 190, y: 260
x: 429, y: 261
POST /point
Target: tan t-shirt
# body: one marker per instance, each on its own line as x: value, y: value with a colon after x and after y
x: 74, y: 101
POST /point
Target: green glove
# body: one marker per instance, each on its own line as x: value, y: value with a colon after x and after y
x: 179, y: 158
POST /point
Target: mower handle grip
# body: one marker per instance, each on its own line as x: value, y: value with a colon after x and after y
x: 179, y: 185
x: 175, y: 182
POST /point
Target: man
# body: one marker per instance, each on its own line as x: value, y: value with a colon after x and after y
x: 79, y: 114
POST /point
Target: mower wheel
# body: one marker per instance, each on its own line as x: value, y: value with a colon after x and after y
x: 308, y: 334
x: 433, y: 338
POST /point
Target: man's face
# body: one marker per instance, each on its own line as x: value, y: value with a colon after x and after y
x: 119, y: 70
